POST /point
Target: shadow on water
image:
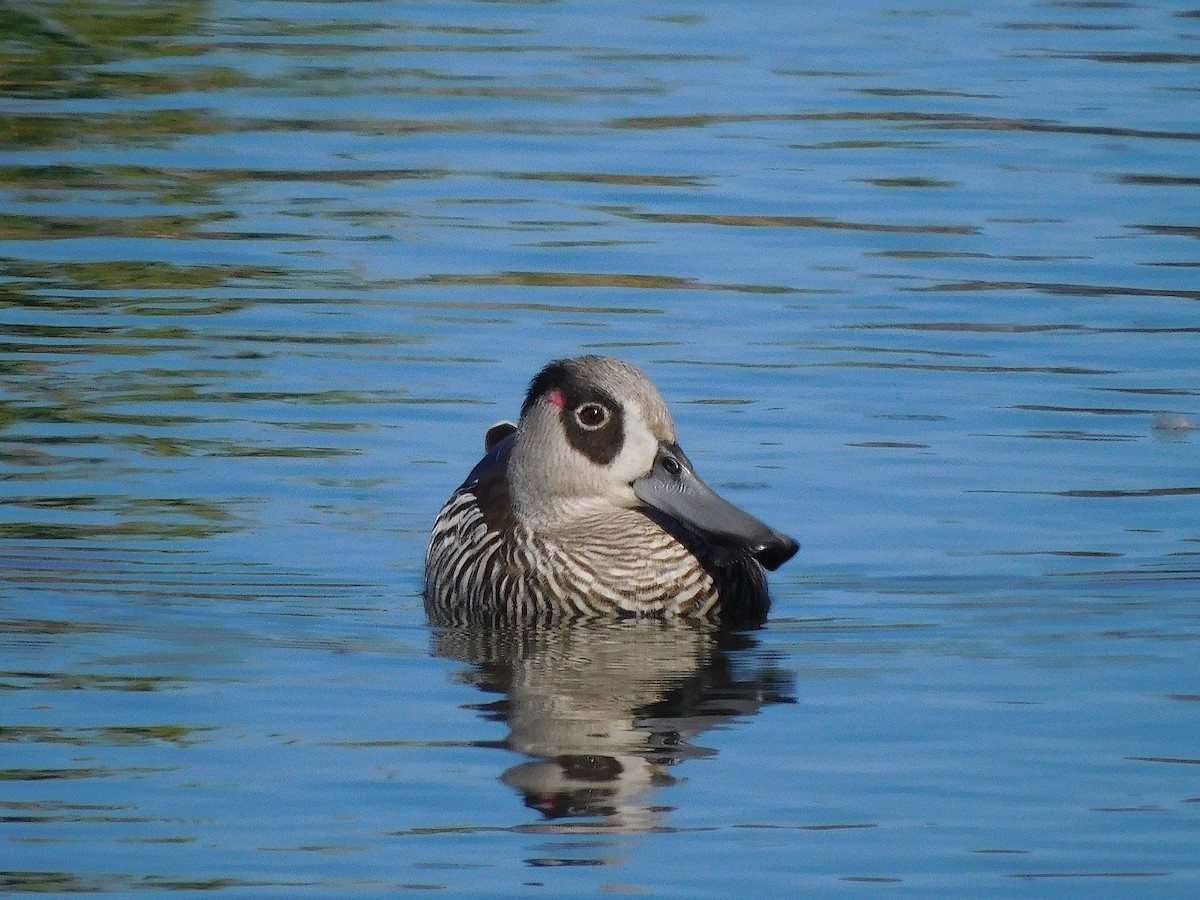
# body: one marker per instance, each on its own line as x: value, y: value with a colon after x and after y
x: 604, y: 711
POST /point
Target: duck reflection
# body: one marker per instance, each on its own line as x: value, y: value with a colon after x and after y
x: 605, y: 710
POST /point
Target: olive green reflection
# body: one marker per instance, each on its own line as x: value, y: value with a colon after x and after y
x: 51, y: 49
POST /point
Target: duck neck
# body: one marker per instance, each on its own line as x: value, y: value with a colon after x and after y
x: 564, y: 516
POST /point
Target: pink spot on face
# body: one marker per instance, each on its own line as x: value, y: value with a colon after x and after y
x: 556, y: 397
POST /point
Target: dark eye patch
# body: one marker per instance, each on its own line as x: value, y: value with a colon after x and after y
x: 600, y: 443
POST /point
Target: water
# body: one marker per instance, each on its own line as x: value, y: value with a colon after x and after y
x: 918, y: 283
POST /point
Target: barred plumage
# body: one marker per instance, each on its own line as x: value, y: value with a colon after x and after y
x: 589, y: 509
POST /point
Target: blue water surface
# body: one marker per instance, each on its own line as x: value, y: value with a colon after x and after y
x: 918, y: 283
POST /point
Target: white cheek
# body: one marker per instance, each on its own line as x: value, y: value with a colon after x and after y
x: 637, y: 454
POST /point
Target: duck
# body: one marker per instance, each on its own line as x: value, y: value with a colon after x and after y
x: 587, y: 508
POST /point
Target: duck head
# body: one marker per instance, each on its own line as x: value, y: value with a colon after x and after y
x: 595, y: 436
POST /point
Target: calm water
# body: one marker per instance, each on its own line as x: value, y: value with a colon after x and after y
x: 920, y: 284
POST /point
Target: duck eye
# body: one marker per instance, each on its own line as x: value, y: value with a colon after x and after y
x: 672, y: 466
x: 591, y: 415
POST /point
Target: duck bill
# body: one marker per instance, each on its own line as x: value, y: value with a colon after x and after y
x: 673, y: 487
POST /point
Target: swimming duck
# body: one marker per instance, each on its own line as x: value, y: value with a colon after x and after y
x: 588, y: 508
